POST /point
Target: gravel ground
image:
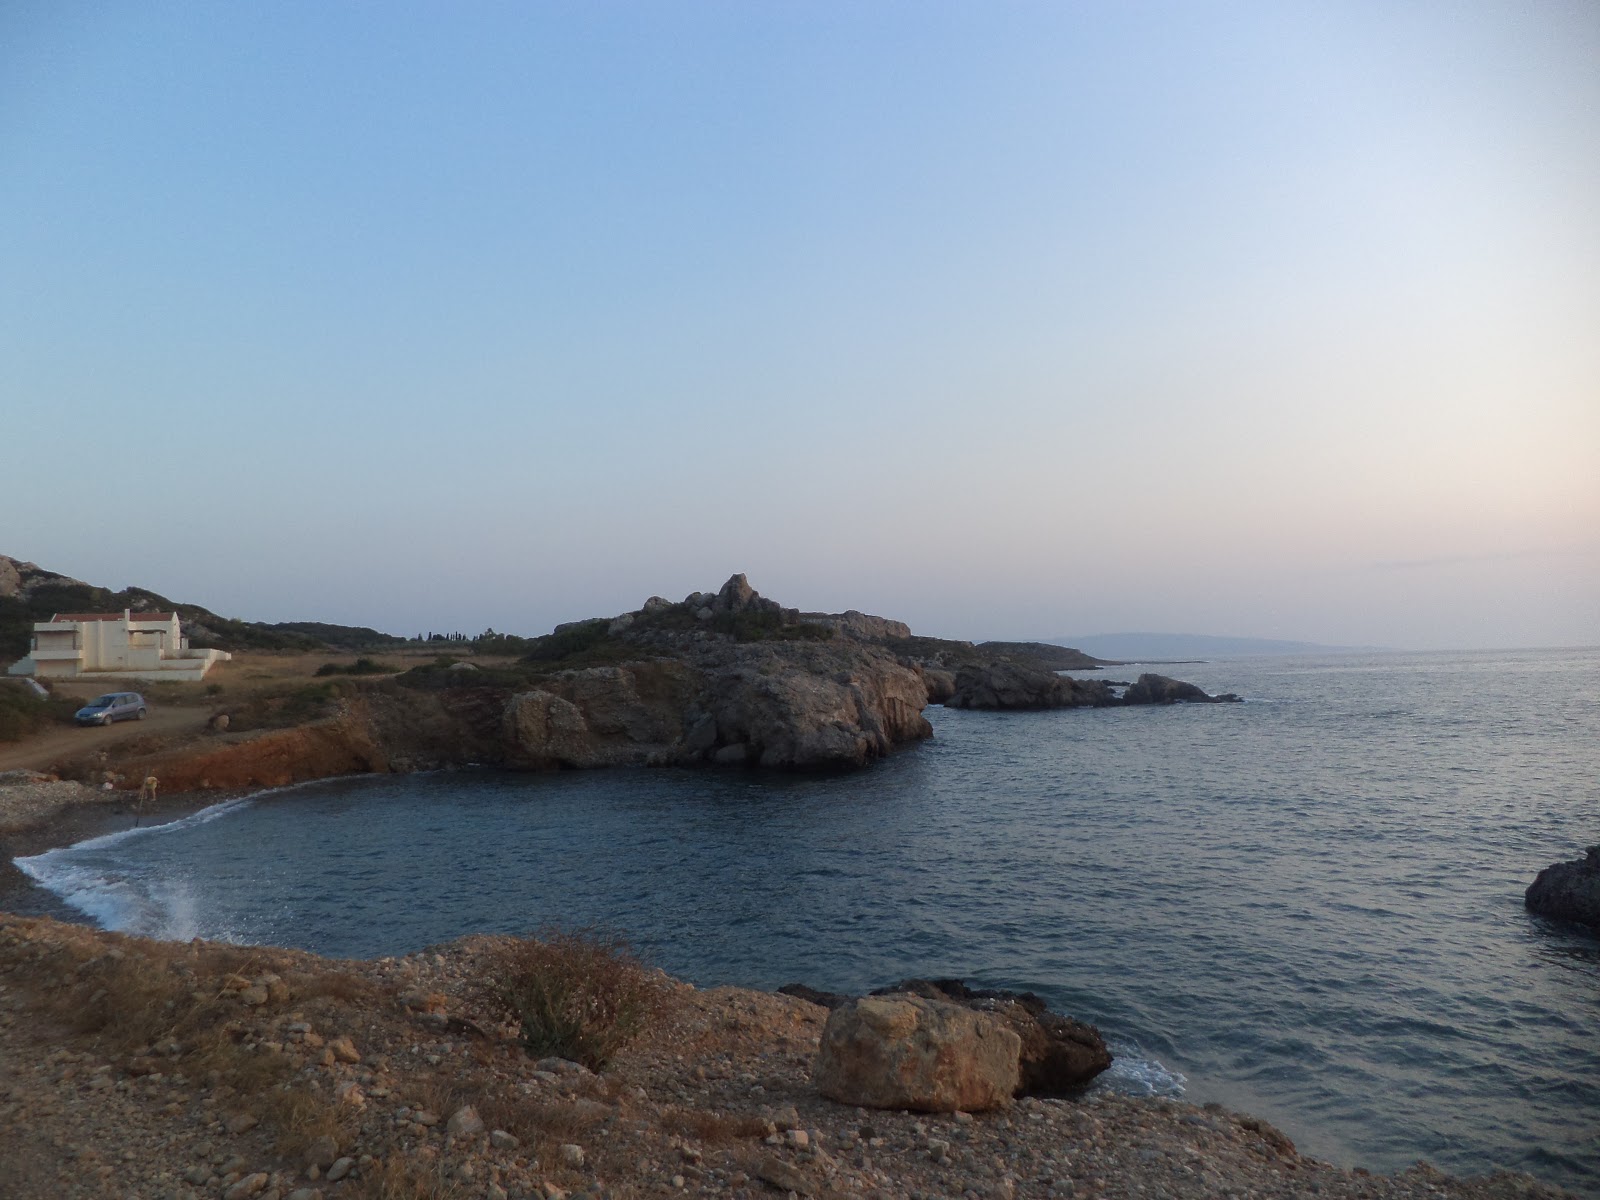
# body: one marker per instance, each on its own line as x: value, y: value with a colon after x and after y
x: 321, y: 1080
x: 31, y: 802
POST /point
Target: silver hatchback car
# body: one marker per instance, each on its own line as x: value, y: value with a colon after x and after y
x: 113, y: 706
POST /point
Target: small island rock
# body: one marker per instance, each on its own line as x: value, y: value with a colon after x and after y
x: 1569, y: 891
x: 1158, y: 689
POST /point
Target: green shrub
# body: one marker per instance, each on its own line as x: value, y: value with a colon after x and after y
x: 22, y: 713
x: 758, y: 626
x: 578, y: 995
x: 575, y: 639
x: 361, y: 666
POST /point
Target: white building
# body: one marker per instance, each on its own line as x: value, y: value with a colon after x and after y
x: 125, y: 645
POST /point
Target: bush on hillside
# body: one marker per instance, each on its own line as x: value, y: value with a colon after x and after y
x: 578, y: 995
x: 361, y: 666
x: 23, y: 713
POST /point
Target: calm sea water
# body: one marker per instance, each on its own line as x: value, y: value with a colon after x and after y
x: 1308, y: 906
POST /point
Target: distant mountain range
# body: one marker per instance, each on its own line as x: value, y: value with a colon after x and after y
x: 1158, y: 647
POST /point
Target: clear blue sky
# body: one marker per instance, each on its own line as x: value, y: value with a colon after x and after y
x: 1004, y: 319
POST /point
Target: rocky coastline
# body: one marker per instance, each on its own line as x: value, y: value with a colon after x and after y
x: 724, y: 679
x: 284, y: 1076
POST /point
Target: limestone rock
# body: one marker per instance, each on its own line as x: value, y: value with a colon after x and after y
x: 464, y: 1120
x: 862, y: 626
x: 1569, y: 891
x: 322, y: 1153
x: 344, y: 1050
x: 786, y: 1178
x: 1058, y: 1056
x: 910, y: 1052
x: 941, y: 685
x: 788, y: 704
x: 250, y: 1185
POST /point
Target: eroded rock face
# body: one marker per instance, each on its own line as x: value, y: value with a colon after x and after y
x: 910, y: 1052
x: 1569, y: 891
x: 699, y: 694
x: 1158, y: 689
x: 1010, y: 685
x: 604, y: 716
x: 941, y: 685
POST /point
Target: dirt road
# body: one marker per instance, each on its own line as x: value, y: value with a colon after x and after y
x: 39, y: 752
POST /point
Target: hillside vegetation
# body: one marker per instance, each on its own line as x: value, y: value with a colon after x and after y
x: 29, y: 594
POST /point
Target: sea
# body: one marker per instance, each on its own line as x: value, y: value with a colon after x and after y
x: 1307, y: 906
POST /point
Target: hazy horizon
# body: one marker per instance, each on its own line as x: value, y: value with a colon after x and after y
x: 1000, y: 319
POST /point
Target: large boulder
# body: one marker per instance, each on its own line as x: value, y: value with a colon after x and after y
x: 737, y: 596
x: 914, y: 1053
x: 1568, y: 890
x: 1159, y: 689
x: 1011, y: 685
x: 1058, y: 1056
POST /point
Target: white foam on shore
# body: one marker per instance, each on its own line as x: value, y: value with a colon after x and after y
x: 119, y: 895
x: 1133, y: 1073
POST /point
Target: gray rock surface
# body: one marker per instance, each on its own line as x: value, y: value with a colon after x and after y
x: 1010, y: 685
x: 1569, y: 891
x: 729, y: 679
x: 1159, y: 689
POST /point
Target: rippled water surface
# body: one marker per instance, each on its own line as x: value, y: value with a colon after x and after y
x: 1308, y: 906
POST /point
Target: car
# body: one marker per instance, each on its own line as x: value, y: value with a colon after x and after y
x: 113, y: 706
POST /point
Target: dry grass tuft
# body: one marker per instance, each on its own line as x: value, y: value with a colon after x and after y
x: 396, y: 1178
x: 712, y: 1128
x: 301, y: 1116
x: 341, y: 986
x: 575, y: 995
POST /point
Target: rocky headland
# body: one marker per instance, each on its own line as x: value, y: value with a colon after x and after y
x: 720, y: 679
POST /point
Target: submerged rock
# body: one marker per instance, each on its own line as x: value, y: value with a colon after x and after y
x: 1568, y: 890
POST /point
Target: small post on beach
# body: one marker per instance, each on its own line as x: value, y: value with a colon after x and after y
x: 147, y: 791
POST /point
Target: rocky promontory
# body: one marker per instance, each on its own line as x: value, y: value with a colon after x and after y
x: 1569, y: 891
x: 728, y: 678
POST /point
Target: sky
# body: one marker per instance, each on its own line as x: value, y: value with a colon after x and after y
x: 1009, y: 320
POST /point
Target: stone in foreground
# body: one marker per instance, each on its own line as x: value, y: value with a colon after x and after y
x: 914, y: 1053
x: 1059, y: 1055
x: 1568, y: 890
